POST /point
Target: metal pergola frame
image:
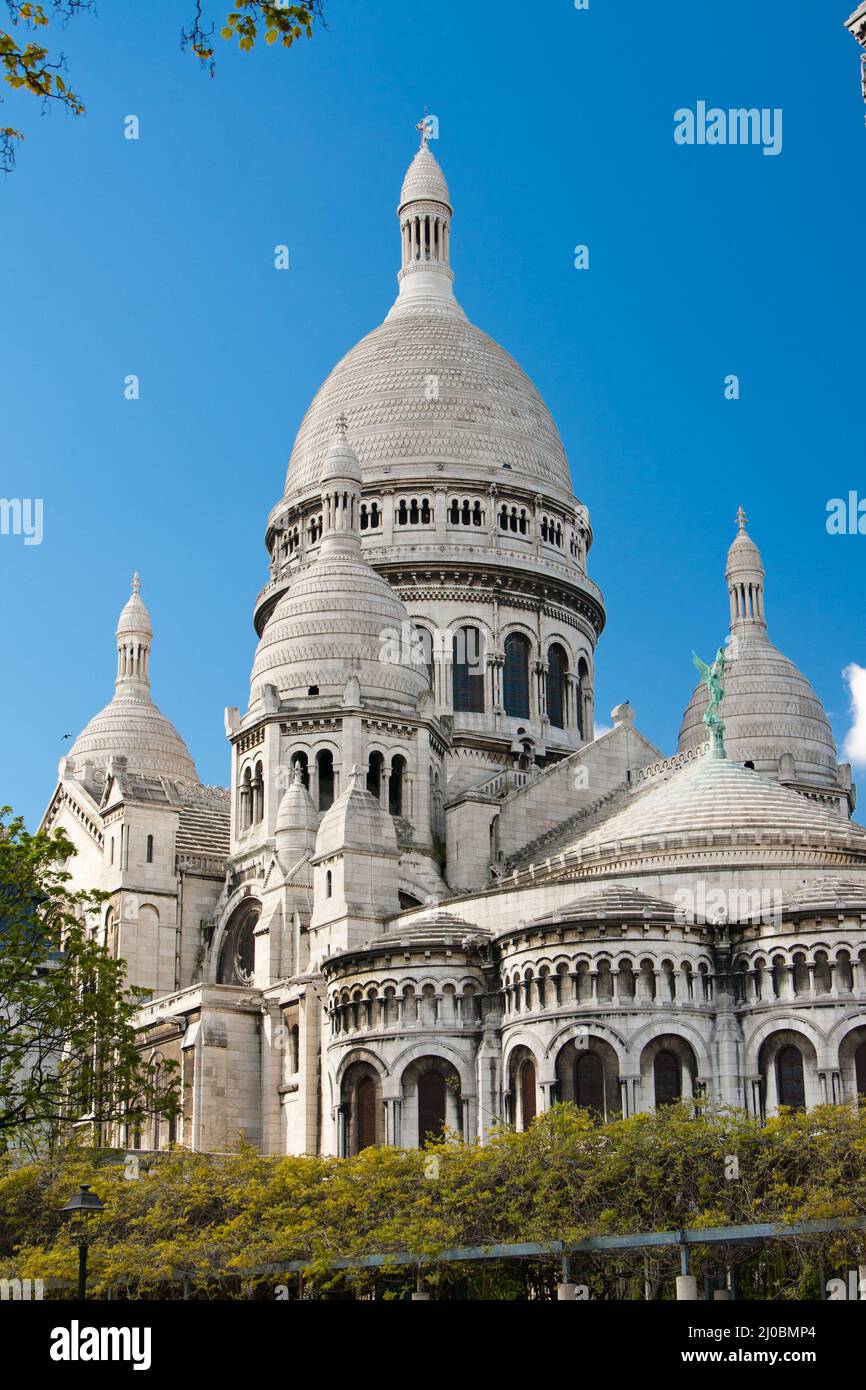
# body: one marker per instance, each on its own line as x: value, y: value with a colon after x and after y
x: 684, y: 1240
x: 592, y: 1245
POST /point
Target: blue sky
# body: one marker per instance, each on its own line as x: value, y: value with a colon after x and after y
x: 155, y: 257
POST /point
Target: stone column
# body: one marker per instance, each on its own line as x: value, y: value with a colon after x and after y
x: 440, y: 502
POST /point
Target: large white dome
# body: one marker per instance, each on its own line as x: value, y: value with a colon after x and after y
x: 426, y: 389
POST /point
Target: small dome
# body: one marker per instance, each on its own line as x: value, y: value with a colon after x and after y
x: 297, y: 821
x: 134, y: 620
x: 441, y: 926
x: 616, y: 902
x: 339, y: 618
x: 769, y: 709
x: 133, y: 728
x: 831, y: 895
x: 424, y: 181
x: 341, y: 462
x: 356, y: 821
x: 743, y: 557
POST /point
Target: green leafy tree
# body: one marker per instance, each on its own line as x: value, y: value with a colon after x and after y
x: 228, y: 1226
x: 30, y: 65
x: 68, y: 1057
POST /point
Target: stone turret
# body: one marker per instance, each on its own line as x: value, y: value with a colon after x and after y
x: 131, y: 726
x: 773, y: 718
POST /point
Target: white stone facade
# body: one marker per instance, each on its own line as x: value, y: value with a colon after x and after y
x: 431, y: 895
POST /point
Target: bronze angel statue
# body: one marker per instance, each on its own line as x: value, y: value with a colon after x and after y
x: 713, y: 677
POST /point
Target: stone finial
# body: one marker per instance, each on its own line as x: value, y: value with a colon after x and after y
x: 297, y: 779
x: 136, y: 583
x: 421, y: 127
x: 622, y: 714
x: 342, y: 423
x: 741, y: 519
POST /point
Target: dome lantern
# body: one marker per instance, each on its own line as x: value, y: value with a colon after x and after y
x: 745, y: 575
x: 425, y: 228
x: 134, y: 635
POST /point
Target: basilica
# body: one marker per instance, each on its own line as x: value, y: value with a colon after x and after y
x: 434, y: 894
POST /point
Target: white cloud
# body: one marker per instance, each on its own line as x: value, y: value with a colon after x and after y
x: 855, y: 740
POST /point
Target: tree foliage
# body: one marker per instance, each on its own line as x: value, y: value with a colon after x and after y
x: 30, y: 65
x: 231, y: 1224
x: 68, y: 1055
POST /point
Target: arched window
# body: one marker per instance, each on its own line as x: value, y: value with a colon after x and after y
x: 516, y: 678
x: 149, y: 850
x: 245, y: 801
x: 423, y: 648
x: 589, y: 1082
x: 860, y: 1069
x: 431, y: 1105
x: 238, y: 953
x: 468, y: 671
x: 365, y: 1100
x: 258, y: 790
x: 557, y: 668
x: 329, y: 883
x: 583, y: 689
x: 790, y: 1080
x: 667, y: 1077
x: 527, y: 1094
x: 325, y: 769
x: 395, y: 786
x: 375, y: 768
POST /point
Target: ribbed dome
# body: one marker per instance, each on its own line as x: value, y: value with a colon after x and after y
x: 769, y: 709
x: 356, y: 821
x: 424, y: 181
x: 484, y: 414
x: 718, y: 796
x: 133, y: 728
x: 297, y: 821
x: 134, y: 618
x: 826, y: 894
x: 338, y: 618
x: 616, y: 902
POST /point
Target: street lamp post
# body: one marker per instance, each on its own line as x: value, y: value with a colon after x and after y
x: 84, y: 1211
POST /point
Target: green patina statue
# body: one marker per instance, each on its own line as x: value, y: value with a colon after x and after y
x: 713, y: 677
